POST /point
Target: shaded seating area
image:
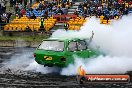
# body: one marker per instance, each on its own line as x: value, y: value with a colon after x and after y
x: 75, y: 24
x: 22, y: 24
x: 49, y: 23
x: 26, y: 24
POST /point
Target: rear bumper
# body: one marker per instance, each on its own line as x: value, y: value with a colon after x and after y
x: 55, y: 64
x: 50, y: 63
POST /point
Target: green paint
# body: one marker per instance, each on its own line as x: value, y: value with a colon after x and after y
x: 63, y: 58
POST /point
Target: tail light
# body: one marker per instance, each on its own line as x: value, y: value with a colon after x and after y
x: 34, y: 55
x: 63, y: 59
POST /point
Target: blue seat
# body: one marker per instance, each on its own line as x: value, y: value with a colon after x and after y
x: 27, y: 15
x: 43, y: 11
x: 36, y: 15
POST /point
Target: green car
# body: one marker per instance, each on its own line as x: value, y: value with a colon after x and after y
x: 58, y: 52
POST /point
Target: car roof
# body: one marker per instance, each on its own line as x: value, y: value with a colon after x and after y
x: 61, y: 39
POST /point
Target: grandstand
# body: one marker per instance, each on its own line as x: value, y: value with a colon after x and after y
x: 27, y: 23
x: 75, y: 24
x: 33, y: 24
x: 53, y: 15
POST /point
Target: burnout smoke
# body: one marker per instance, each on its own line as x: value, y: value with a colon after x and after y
x: 24, y: 61
x: 114, y: 40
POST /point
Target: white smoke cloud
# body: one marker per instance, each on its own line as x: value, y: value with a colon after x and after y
x: 100, y: 65
x: 35, y: 67
x: 114, y: 39
x: 24, y: 61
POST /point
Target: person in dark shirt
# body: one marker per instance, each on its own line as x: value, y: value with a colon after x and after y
x: 33, y: 17
x: 66, y: 26
x: 8, y: 16
x: 41, y: 25
x: 0, y: 23
x: 59, y: 11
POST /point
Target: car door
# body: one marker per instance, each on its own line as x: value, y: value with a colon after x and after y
x: 82, y: 49
x: 72, y: 47
x: 71, y: 51
x: 78, y: 48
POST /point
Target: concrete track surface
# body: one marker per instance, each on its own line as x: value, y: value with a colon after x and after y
x: 29, y: 79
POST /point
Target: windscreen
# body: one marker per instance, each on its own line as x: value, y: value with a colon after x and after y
x: 52, y: 45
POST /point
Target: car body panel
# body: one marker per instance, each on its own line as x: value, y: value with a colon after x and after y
x: 65, y: 57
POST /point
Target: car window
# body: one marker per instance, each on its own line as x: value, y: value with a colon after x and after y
x: 72, y: 46
x: 82, y: 45
x: 52, y: 45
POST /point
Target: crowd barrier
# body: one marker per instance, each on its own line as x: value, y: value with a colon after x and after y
x: 64, y: 18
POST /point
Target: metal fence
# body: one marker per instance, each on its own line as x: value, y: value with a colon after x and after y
x: 18, y: 43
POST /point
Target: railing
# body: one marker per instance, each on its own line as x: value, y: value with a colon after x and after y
x: 64, y: 18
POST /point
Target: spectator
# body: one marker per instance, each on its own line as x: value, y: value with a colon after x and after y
x: 1, y: 23
x: 8, y: 16
x: 42, y: 25
x: 33, y: 17
x: 110, y: 10
x: 25, y: 3
x: 22, y: 11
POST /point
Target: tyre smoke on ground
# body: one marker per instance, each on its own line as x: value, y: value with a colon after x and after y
x: 23, y: 60
x: 115, y: 40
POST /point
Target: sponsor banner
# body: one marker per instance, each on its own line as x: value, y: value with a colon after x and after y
x: 119, y: 1
x: 107, y: 78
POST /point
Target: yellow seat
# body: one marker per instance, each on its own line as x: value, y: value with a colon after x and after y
x: 78, y: 18
x: 31, y: 27
x: 15, y: 27
x: 104, y: 21
x: 71, y: 27
x: 70, y: 22
x: 101, y: 17
x: 19, y: 27
x: 37, y: 27
x: 37, y: 20
x: 23, y: 27
x: 51, y: 17
x: 80, y: 22
x: 10, y: 26
x: 84, y: 20
x: 101, y: 21
x: 81, y: 18
x: 126, y: 4
x: 54, y: 20
x: 116, y: 18
x: 17, y: 17
x: 109, y: 21
x: 6, y: 27
x: 75, y: 22
x: 77, y: 28
x: 24, y: 15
